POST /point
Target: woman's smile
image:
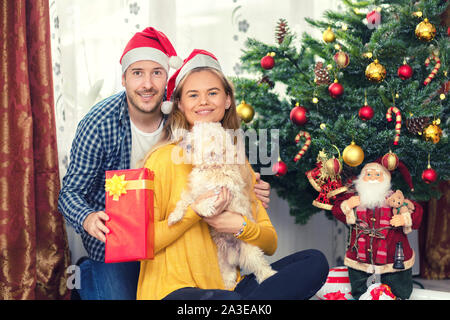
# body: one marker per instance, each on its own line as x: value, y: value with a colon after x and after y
x: 204, y: 111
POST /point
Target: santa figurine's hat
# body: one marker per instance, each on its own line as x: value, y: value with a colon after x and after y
x: 198, y: 58
x: 150, y: 44
x: 398, y: 164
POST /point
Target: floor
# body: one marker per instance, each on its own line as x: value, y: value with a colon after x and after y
x: 438, y: 285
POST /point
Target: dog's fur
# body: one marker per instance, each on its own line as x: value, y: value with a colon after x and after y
x: 216, y: 164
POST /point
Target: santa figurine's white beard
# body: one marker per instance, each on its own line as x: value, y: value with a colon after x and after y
x: 372, y: 194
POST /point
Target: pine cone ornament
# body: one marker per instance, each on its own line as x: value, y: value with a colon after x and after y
x: 322, y: 76
x: 417, y: 125
x: 281, y: 30
x: 266, y: 79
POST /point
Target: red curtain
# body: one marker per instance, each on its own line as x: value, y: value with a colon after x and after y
x: 434, y: 236
x: 34, y: 252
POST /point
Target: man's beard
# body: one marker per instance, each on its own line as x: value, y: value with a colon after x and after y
x: 372, y: 195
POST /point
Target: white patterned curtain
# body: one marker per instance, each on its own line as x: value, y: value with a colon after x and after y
x: 88, y: 38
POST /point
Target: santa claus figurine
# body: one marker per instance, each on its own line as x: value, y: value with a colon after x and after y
x: 376, y: 233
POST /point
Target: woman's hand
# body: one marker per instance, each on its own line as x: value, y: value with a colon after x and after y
x: 226, y: 222
x: 262, y: 190
x: 223, y: 200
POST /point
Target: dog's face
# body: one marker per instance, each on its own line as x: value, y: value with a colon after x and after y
x: 212, y: 145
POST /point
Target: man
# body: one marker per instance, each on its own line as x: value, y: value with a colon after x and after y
x: 375, y: 232
x: 114, y: 135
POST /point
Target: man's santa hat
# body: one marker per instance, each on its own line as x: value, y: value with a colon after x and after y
x: 150, y: 44
x: 198, y: 58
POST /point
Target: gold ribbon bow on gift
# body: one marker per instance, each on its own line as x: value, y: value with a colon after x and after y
x: 116, y: 186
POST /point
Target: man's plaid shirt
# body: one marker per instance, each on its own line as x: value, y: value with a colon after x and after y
x: 102, y: 142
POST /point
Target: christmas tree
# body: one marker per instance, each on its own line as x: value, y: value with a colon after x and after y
x: 374, y: 87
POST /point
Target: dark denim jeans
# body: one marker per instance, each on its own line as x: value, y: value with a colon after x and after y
x: 300, y: 276
x: 108, y: 281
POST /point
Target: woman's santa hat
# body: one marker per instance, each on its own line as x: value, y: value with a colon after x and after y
x: 198, y: 58
x: 150, y: 44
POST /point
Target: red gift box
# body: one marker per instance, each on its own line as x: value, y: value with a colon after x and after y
x: 129, y: 205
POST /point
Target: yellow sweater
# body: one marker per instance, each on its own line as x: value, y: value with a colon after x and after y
x: 185, y: 254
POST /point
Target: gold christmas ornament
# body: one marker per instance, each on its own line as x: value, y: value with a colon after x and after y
x: 328, y: 35
x: 353, y: 155
x: 375, y: 71
x: 433, y: 132
x: 425, y: 31
x: 368, y: 55
x: 245, y: 111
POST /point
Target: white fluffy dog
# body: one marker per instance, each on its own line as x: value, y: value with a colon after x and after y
x: 218, y: 163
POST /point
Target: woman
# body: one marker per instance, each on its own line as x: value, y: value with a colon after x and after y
x: 185, y: 264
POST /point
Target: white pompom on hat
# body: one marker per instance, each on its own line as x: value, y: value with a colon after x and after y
x: 198, y: 58
x: 166, y: 107
x: 150, y: 44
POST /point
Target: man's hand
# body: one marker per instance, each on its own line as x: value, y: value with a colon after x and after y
x: 262, y: 190
x: 94, y: 224
x: 353, y: 202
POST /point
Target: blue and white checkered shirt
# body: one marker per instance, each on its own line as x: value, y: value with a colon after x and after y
x: 102, y: 142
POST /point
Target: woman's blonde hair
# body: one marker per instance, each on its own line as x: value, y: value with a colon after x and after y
x: 177, y: 123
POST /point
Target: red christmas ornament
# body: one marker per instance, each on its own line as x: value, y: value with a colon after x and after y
x: 342, y: 59
x: 336, y: 89
x: 390, y: 161
x: 298, y: 115
x: 267, y: 62
x: 373, y: 19
x: 405, y: 72
x: 429, y: 175
x: 279, y: 168
x: 366, y: 112
x: 448, y: 31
